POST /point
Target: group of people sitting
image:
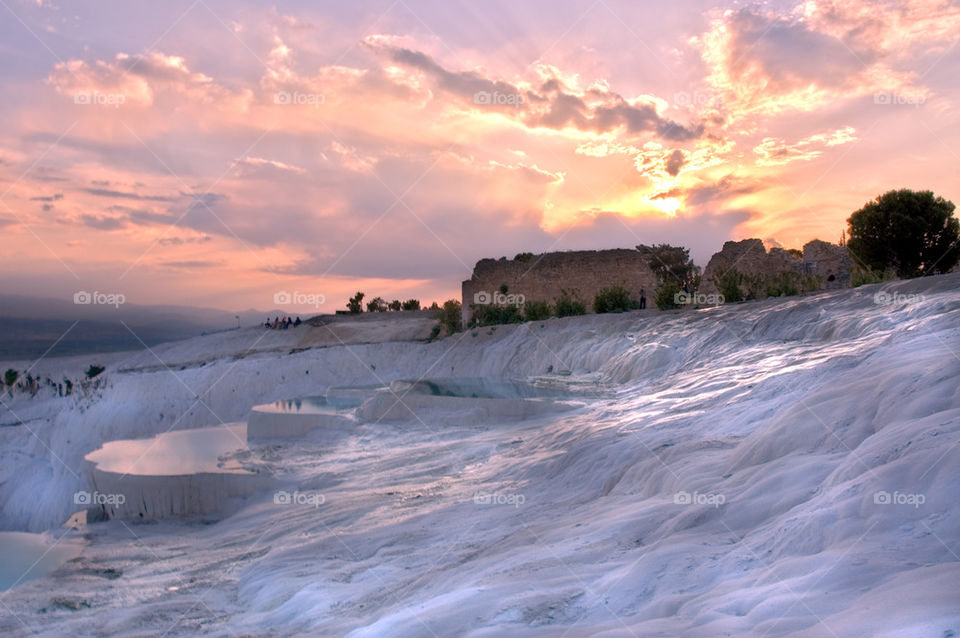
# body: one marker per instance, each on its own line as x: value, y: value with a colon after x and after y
x: 281, y: 324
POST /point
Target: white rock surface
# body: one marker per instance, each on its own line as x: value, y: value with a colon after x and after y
x: 782, y: 468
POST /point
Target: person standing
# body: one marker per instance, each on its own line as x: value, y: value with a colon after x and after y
x: 643, y: 299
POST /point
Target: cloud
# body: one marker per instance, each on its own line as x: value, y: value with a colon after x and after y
x: 764, y: 62
x: 674, y: 162
x: 775, y: 152
x: 115, y: 194
x: 48, y: 198
x: 554, y: 105
x: 102, y: 222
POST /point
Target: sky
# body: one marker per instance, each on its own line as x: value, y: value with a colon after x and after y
x: 220, y: 154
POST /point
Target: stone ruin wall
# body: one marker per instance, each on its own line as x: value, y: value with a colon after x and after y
x: 544, y: 277
x: 830, y: 263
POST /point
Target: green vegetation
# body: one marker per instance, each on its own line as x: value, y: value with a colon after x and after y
x: 490, y: 315
x: 524, y: 257
x: 449, y: 317
x: 728, y: 283
x: 614, y: 299
x: 672, y: 263
x: 675, y: 272
x: 536, y: 311
x: 411, y: 304
x: 10, y: 377
x: 665, y: 298
x: 864, y: 276
x: 913, y: 233
x: 355, y: 304
x: 395, y: 305
x: 786, y: 283
x: 569, y: 304
x: 377, y: 304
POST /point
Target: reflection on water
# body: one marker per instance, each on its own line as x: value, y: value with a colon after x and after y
x: 27, y: 556
x: 306, y: 405
x: 481, y: 388
x: 175, y: 453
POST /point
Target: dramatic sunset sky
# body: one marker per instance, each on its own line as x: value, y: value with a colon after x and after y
x: 212, y: 153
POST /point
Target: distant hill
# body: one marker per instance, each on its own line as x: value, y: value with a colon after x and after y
x: 30, y: 326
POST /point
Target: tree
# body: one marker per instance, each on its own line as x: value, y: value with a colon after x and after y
x: 675, y: 273
x: 395, y: 305
x: 912, y: 233
x: 377, y: 304
x: 615, y: 299
x: 94, y: 370
x: 450, y: 316
x: 355, y: 304
x: 672, y: 263
x: 411, y: 304
x: 10, y: 377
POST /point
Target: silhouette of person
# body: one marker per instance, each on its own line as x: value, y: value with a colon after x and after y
x: 643, y: 299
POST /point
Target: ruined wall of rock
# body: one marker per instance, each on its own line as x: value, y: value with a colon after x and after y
x: 544, y: 277
x: 829, y: 263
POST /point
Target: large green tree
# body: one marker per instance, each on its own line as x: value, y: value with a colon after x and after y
x: 912, y: 233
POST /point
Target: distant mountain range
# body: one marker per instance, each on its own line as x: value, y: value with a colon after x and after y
x: 33, y: 326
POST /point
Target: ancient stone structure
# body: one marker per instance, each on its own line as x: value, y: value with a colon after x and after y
x: 544, y: 277
x: 829, y: 263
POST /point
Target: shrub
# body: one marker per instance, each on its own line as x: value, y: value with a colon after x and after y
x: 523, y: 257
x: 756, y: 286
x: 728, y: 283
x: 411, y: 304
x: 10, y: 377
x: 94, y: 370
x: 490, y: 315
x: 864, y: 276
x: 395, y: 305
x: 782, y: 283
x: 536, y: 311
x: 665, y: 297
x: 615, y: 299
x: 913, y: 233
x: 569, y: 304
